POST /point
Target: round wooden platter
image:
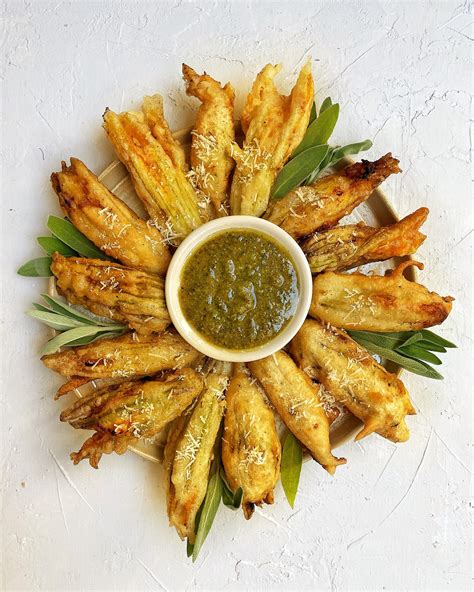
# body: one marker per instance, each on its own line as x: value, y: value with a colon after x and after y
x: 376, y: 211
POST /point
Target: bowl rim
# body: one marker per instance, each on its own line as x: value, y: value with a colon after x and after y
x: 202, y: 235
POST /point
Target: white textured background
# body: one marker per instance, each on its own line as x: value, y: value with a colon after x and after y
x: 395, y: 517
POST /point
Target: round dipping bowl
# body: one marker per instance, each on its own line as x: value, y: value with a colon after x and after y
x: 203, y: 234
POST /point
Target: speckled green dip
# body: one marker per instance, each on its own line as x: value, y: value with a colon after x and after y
x: 239, y: 289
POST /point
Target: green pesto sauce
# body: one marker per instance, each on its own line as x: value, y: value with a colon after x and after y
x: 239, y: 289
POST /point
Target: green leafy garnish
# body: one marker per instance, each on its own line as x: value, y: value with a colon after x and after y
x: 297, y: 169
x: 84, y: 334
x: 68, y: 234
x: 40, y: 267
x: 335, y: 155
x: 306, y: 163
x: 207, y: 513
x: 51, y: 245
x: 76, y: 327
x: 411, y: 350
x: 325, y: 104
x: 320, y: 130
x: 231, y: 499
x: 433, y: 338
x: 67, y: 241
x: 291, y: 463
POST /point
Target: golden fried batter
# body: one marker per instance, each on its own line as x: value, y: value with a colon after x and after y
x: 298, y: 403
x: 124, y: 413
x: 155, y: 162
x: 189, y: 452
x: 322, y: 204
x: 127, y: 356
x: 107, y: 221
x: 274, y: 126
x: 354, y: 379
x: 345, y: 247
x: 377, y: 303
x: 251, y: 449
x: 212, y: 137
x: 111, y: 290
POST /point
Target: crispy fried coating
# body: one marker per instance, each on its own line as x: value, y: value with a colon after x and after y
x: 274, y: 126
x: 156, y: 163
x: 124, y: 413
x: 322, y: 204
x: 345, y: 247
x: 377, y: 303
x: 73, y: 383
x: 212, y: 137
x: 354, y: 379
x: 126, y: 295
x: 126, y: 356
x: 251, y: 449
x: 296, y: 398
x: 189, y: 452
x: 107, y: 221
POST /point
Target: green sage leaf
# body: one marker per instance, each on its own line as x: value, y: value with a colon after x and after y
x: 91, y: 338
x: 51, y: 245
x: 62, y: 307
x: 312, y: 115
x: 208, y: 513
x: 388, y: 340
x: 416, y: 336
x: 355, y: 148
x: 55, y: 321
x: 410, y: 364
x: 320, y: 130
x: 418, y: 353
x: 432, y: 346
x: 297, y: 169
x: 230, y: 498
x: 68, y: 337
x: 68, y: 234
x: 325, y: 104
x: 40, y: 267
x: 433, y: 338
x: 291, y: 463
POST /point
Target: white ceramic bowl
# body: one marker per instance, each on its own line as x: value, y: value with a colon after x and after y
x: 201, y: 235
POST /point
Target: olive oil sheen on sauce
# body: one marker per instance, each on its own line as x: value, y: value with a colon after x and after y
x: 239, y: 289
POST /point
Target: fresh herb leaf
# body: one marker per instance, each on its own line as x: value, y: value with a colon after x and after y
x: 230, y: 498
x: 325, y: 104
x: 209, y: 509
x: 388, y: 340
x: 36, y: 268
x: 432, y: 346
x: 334, y: 155
x: 350, y: 149
x: 68, y: 234
x: 51, y: 245
x: 62, y: 307
x: 320, y: 130
x: 53, y: 320
x: 90, y: 339
x: 418, y: 353
x: 412, y: 339
x: 297, y: 169
x: 291, y: 463
x: 72, y: 335
x: 433, y: 338
x: 410, y: 364
x: 312, y: 115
